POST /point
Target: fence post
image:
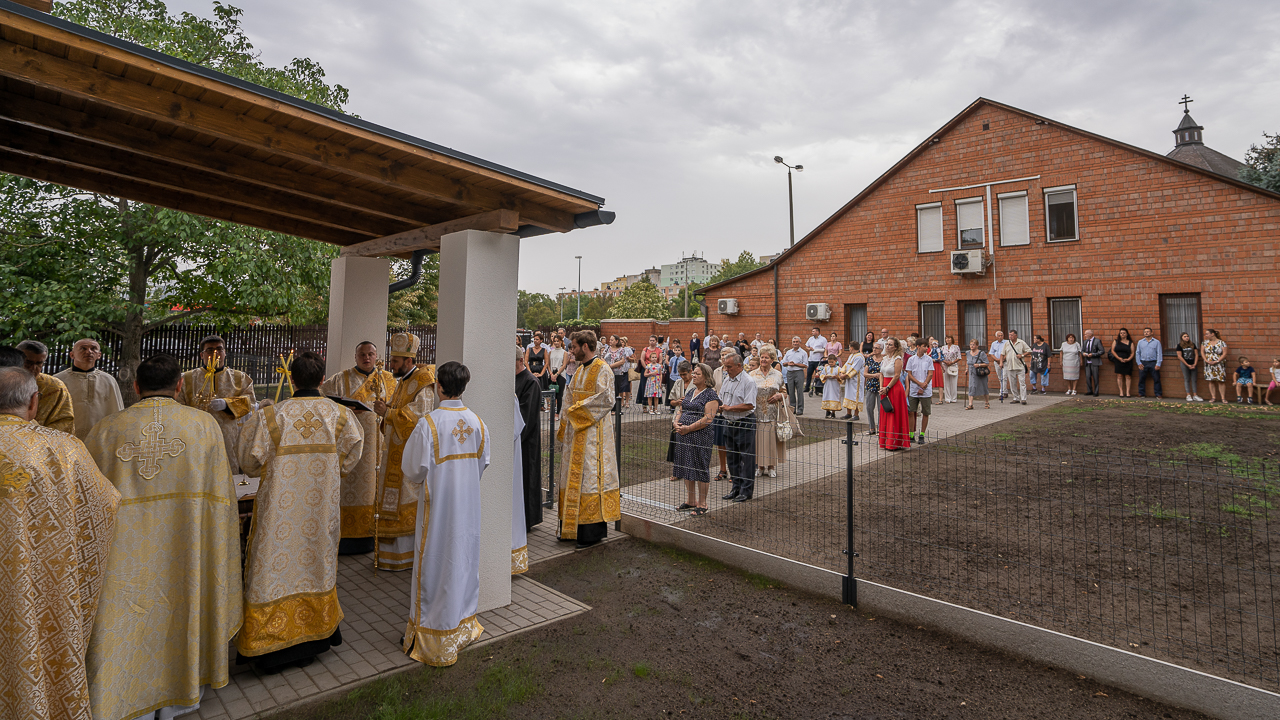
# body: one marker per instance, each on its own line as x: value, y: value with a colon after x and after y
x: 617, y: 448
x: 849, y: 586
x: 551, y: 451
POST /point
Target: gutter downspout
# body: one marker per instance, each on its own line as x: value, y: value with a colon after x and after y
x: 415, y: 273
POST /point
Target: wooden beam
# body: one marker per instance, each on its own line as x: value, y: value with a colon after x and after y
x: 93, y: 181
x: 234, y: 168
x: 71, y: 151
x: 428, y: 238
x: 41, y: 5
x: 83, y: 81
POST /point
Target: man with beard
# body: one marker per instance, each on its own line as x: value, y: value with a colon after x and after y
x: 589, y: 491
x: 225, y: 394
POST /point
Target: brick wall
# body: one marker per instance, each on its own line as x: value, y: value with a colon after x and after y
x: 1146, y: 228
x: 637, y: 332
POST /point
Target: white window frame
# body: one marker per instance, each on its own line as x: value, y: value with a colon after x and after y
x: 1075, y: 207
x: 1026, y: 219
x: 959, y: 230
x: 942, y: 242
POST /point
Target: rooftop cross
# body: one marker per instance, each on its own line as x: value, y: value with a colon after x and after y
x: 1183, y: 102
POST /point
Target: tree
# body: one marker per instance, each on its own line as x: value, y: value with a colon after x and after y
x: 597, y: 309
x: 527, y: 301
x: 540, y: 317
x: 641, y: 300
x: 678, y: 302
x: 416, y: 305
x: 136, y: 267
x: 1263, y: 163
x: 745, y: 263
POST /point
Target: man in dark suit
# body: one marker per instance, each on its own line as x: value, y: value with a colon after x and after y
x: 1092, y: 353
x: 529, y: 396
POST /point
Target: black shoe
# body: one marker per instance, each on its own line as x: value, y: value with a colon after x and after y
x: 582, y: 545
x: 731, y: 496
x: 1024, y: 402
x: 742, y: 498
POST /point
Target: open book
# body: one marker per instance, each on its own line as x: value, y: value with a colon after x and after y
x: 348, y: 402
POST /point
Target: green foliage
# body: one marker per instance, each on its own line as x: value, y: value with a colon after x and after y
x: 678, y: 302
x: 417, y: 305
x: 1263, y: 163
x: 537, y: 310
x: 641, y: 300
x: 597, y: 309
x: 745, y: 263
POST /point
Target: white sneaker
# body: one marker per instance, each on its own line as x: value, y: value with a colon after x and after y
x: 1188, y: 398
x: 1197, y: 398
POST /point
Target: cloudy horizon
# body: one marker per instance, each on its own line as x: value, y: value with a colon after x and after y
x: 673, y: 111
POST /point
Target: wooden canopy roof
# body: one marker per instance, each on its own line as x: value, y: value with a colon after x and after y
x: 88, y: 110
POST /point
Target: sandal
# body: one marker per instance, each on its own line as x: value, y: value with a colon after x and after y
x: 988, y: 406
x: 687, y: 506
x: 699, y: 511
x: 722, y: 476
x: 968, y: 407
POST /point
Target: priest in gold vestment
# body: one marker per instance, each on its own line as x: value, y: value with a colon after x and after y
x: 589, y: 493
x: 94, y: 393
x: 300, y: 448
x: 171, y: 599
x: 56, y: 410
x: 57, y: 517
x: 414, y: 398
x: 227, y: 395
x: 367, y: 383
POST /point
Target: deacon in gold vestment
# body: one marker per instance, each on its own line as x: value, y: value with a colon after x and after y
x: 227, y: 395
x: 57, y: 516
x: 55, y: 401
x: 300, y: 448
x: 589, y: 493
x: 367, y: 383
x: 171, y: 599
x: 94, y: 394
x: 397, y: 507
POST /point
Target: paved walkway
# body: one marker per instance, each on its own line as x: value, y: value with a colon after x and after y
x: 376, y: 608
x: 657, y: 499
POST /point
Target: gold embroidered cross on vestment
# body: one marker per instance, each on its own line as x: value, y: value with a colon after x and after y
x: 463, y: 431
x: 152, y: 448
x: 307, y: 425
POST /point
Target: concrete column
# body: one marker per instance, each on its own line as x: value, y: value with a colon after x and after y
x: 357, y: 308
x: 476, y: 327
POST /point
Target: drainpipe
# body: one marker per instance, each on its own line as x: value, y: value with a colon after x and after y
x: 415, y: 273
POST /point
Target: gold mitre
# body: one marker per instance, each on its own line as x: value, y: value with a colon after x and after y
x: 405, y: 345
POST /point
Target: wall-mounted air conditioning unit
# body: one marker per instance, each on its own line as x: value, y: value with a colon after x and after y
x: 965, y: 262
x: 817, y: 311
x: 727, y: 306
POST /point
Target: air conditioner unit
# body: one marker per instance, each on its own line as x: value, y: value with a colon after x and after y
x: 964, y: 262
x: 817, y: 311
x: 727, y: 306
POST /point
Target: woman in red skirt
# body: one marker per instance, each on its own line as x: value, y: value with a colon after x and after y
x: 893, y: 425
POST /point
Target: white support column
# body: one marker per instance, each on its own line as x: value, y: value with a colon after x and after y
x: 357, y: 308
x: 476, y: 327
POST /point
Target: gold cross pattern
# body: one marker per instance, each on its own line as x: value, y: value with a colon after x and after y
x: 463, y: 431
x: 307, y: 425
x: 151, y: 450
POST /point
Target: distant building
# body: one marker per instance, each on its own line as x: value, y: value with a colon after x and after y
x: 689, y: 269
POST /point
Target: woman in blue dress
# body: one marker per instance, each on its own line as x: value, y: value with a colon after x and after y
x: 693, y: 446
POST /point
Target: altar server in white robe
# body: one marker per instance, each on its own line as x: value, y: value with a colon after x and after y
x: 94, y: 393
x: 448, y: 451
x: 855, y: 390
x: 519, y: 536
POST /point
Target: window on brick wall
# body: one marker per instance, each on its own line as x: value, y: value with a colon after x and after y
x: 1179, y: 314
x: 1061, y: 218
x: 933, y: 320
x: 969, y: 223
x: 929, y: 227
x: 1017, y: 316
x: 973, y: 319
x: 1014, y: 227
x: 857, y: 324
x: 1064, y: 318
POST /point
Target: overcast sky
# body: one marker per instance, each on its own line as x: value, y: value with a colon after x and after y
x: 673, y: 111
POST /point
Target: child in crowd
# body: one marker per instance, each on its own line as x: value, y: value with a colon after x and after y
x: 1244, y: 381
x: 832, y: 389
x: 654, y: 388
x: 1275, y: 381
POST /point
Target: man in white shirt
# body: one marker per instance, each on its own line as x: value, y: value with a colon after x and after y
x: 996, y: 353
x: 880, y: 341
x: 1016, y: 353
x: 919, y: 392
x: 794, y: 363
x: 817, y: 354
x: 757, y: 343
x: 738, y: 404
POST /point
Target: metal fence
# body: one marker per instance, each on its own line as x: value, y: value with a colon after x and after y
x: 255, y: 349
x: 1169, y: 556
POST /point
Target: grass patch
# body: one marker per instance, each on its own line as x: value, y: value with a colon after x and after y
x: 413, y: 696
x: 1004, y: 437
x: 1156, y: 511
x: 1074, y: 410
x: 640, y: 670
x: 1257, y: 469
x: 1239, y: 510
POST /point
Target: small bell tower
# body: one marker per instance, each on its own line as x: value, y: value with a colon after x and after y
x: 1188, y: 132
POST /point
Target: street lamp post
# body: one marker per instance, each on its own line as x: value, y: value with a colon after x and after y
x: 562, y: 304
x: 791, y: 204
x: 579, y: 259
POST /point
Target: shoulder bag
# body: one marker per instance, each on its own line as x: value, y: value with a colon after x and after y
x: 782, y: 426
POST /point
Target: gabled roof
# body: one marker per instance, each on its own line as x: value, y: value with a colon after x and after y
x: 1206, y: 158
x: 951, y: 124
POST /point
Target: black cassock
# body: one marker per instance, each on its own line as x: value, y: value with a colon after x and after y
x: 529, y: 395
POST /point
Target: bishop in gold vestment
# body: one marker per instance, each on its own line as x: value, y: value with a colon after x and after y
x: 227, y: 394
x: 300, y: 448
x: 589, y: 493
x: 57, y: 516
x: 397, y: 507
x: 367, y: 383
x: 171, y: 601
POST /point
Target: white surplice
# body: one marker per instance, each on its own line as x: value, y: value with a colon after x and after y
x: 449, y: 450
x: 519, y: 536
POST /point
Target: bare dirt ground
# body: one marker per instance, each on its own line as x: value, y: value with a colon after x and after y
x: 675, y: 635
x: 1150, y: 528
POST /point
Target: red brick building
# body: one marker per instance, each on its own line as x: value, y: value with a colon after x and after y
x: 1070, y: 231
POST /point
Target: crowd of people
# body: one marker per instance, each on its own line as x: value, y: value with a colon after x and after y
x: 125, y: 584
